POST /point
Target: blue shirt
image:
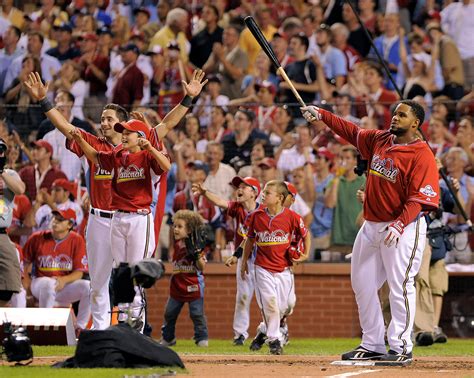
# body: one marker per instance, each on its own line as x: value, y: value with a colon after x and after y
x: 322, y: 215
x: 334, y: 63
x: 171, y: 188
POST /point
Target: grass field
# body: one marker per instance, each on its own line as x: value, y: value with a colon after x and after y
x: 306, y: 347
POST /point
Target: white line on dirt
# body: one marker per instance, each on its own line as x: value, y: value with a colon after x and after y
x: 354, y: 373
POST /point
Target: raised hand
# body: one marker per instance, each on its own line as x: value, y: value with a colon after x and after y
x: 75, y: 134
x: 140, y: 117
x: 311, y: 113
x: 35, y: 87
x: 198, y: 189
x: 144, y: 144
x: 231, y: 261
x: 194, y: 87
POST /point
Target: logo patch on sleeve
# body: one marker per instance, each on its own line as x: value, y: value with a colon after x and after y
x: 428, y: 191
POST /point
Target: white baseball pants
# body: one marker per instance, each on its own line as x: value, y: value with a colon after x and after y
x: 19, y: 299
x: 99, y: 258
x: 275, y: 294
x: 243, y: 298
x: 372, y: 264
x: 132, y: 240
x: 44, y: 289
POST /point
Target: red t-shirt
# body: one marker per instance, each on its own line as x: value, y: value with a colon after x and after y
x: 241, y: 216
x: 397, y: 173
x: 132, y: 178
x: 187, y: 281
x: 273, y: 236
x: 30, y: 174
x: 99, y: 180
x: 52, y: 258
x: 22, y: 206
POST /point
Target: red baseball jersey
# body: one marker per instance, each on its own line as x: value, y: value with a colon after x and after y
x: 398, y: 173
x: 55, y: 257
x: 99, y: 180
x: 241, y: 216
x: 273, y: 235
x: 132, y: 178
x: 187, y: 281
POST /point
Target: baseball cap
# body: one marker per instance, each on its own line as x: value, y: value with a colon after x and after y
x: 66, y: 185
x: 266, y: 84
x: 130, y: 47
x: 433, y: 25
x: 104, y: 30
x: 138, y: 34
x: 133, y: 125
x: 41, y: 143
x: 157, y: 49
x: 268, y: 163
x: 324, y: 152
x: 213, y: 79
x: 66, y: 214
x: 250, y: 181
x: 63, y: 27
x: 291, y: 188
x: 142, y: 10
x: 199, y: 165
x: 89, y: 37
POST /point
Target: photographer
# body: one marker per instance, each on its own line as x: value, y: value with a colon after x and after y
x: 10, y: 185
x: 187, y: 281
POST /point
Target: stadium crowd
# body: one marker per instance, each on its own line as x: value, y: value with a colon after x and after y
x: 246, y: 122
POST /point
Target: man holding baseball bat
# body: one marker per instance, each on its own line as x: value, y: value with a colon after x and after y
x: 402, y: 183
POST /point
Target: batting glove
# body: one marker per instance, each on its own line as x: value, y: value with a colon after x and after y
x: 311, y: 113
x: 395, y: 231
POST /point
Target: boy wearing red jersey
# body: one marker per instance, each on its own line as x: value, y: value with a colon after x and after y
x: 271, y: 229
x: 187, y: 281
x: 59, y: 259
x: 133, y: 166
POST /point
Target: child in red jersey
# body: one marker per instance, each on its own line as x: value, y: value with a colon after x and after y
x: 187, y: 281
x: 134, y: 165
x: 272, y: 228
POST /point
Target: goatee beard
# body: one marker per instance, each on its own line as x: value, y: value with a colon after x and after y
x: 398, y: 132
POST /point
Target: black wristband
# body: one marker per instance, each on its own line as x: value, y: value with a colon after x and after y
x: 187, y: 101
x: 238, y: 252
x: 46, y: 105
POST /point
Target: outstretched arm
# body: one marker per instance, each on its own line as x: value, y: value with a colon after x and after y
x: 37, y: 91
x: 191, y: 90
x: 88, y: 150
x: 216, y: 200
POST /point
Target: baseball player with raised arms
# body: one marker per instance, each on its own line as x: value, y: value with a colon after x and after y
x: 271, y: 228
x: 99, y: 181
x: 402, y: 183
x: 247, y: 191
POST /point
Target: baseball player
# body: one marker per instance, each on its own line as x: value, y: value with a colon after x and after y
x: 133, y: 165
x: 247, y: 191
x: 402, y: 183
x: 271, y: 229
x: 99, y: 181
x: 59, y: 259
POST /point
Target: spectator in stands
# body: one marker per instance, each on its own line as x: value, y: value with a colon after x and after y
x: 357, y: 37
x: 65, y: 50
x: 367, y: 14
x: 443, y: 107
x: 238, y: 144
x: 299, y: 154
x: 280, y: 46
x: 368, y: 123
x: 332, y: 59
x: 143, y: 24
x: 185, y: 153
x: 20, y: 115
x: 175, y: 29
x: 102, y: 18
x: 12, y: 14
x: 121, y: 30
x: 59, y: 259
x: 322, y: 215
x: 310, y: 25
x: 128, y: 89
x: 344, y: 107
x: 303, y: 180
x: 211, y: 99
x: 47, y: 15
x: 69, y: 80
x: 450, y: 60
x: 42, y: 174
x: 84, y: 24
x: 62, y: 197
x: 202, y: 42
x: 216, y: 129
x: 341, y: 196
x: 377, y: 101
x: 437, y: 130
x: 220, y: 174
x: 230, y: 61
x: 105, y: 42
x: 49, y: 64
x: 465, y: 138
x: 456, y: 21
x: 262, y: 73
x: 340, y: 35
x: 9, y: 52
x: 388, y: 45
x: 162, y: 9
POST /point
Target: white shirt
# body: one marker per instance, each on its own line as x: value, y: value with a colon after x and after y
x: 300, y: 207
x: 79, y: 90
x: 457, y: 20
x: 291, y: 159
x: 70, y: 164
x: 43, y: 216
x: 205, y: 101
x: 219, y: 183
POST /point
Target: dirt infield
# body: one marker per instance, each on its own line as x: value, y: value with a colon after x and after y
x: 308, y: 366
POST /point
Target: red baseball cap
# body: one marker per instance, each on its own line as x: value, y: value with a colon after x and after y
x: 291, y: 188
x: 89, y: 37
x: 268, y: 162
x: 66, y: 185
x: 66, y: 214
x: 324, y: 152
x: 266, y: 84
x: 43, y: 144
x: 250, y: 181
x: 133, y: 125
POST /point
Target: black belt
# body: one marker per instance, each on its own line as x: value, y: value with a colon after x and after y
x: 3, y: 230
x: 102, y: 214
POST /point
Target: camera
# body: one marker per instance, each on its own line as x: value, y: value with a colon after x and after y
x: 16, y: 344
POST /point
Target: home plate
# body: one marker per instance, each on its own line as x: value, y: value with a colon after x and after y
x: 370, y: 363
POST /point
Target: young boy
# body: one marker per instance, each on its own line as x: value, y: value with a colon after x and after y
x: 187, y: 281
x: 272, y: 228
x: 247, y: 191
x: 133, y: 166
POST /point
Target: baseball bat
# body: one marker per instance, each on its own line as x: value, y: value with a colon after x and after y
x: 267, y: 49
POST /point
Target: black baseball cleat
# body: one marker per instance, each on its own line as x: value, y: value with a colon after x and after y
x: 258, y: 342
x: 275, y: 347
x: 399, y: 358
x: 238, y: 341
x: 361, y: 354
x: 439, y: 336
x: 424, y: 339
